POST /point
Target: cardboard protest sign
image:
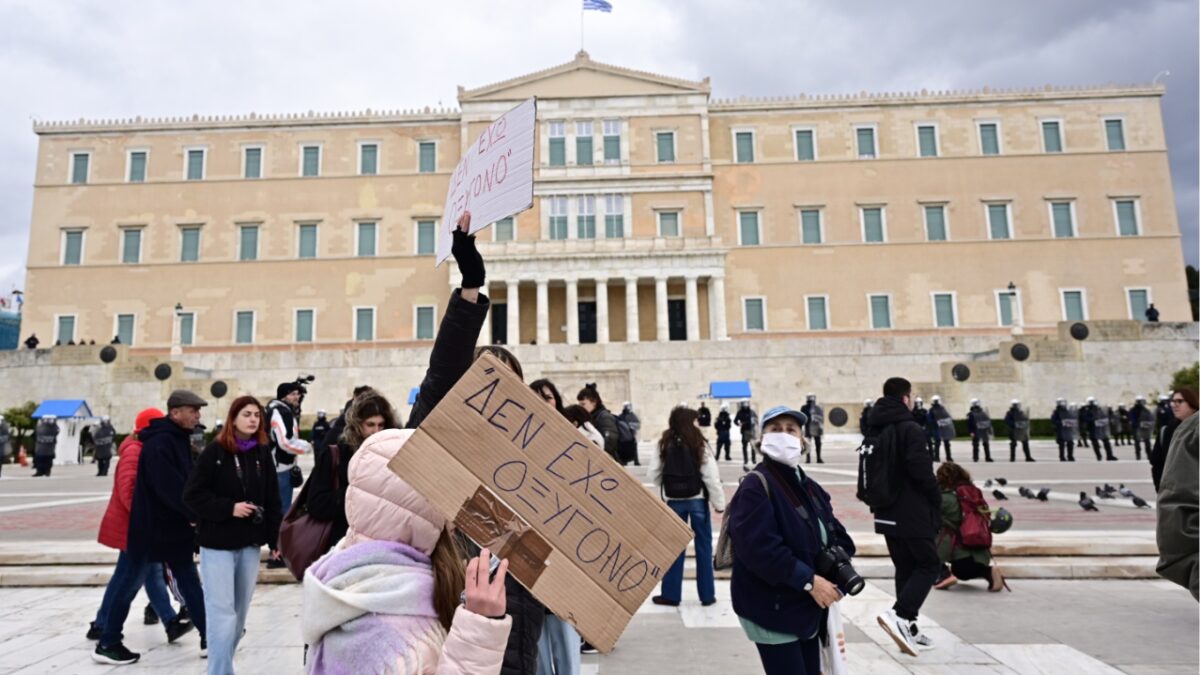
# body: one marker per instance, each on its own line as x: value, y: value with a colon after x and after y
x: 494, y: 179
x: 581, y: 533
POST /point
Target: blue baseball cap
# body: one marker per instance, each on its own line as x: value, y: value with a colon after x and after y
x: 782, y: 411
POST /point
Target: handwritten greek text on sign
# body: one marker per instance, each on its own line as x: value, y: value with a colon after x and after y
x: 494, y: 179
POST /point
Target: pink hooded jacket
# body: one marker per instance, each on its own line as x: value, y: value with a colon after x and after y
x: 347, y: 602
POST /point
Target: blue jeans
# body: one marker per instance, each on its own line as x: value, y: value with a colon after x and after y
x: 229, y: 577
x: 155, y: 585
x: 696, y: 511
x: 558, y: 648
x: 285, y: 490
x: 125, y: 585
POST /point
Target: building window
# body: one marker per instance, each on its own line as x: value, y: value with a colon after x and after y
x: 927, y: 145
x: 72, y: 247
x: 252, y: 162
x: 1139, y: 302
x: 189, y: 244
x: 187, y: 329
x: 754, y: 314
x: 585, y: 154
x: 874, y: 229
x: 426, y: 237
x: 368, y: 159
x: 305, y: 325
x: 749, y: 233
x: 428, y: 152
x: 668, y: 223
x: 744, y: 146
x: 935, y: 222
x: 504, y: 229
x: 64, y: 329
x: 248, y: 243
x: 1074, y: 303
x: 137, y: 166
x: 131, y: 245
x: 817, y: 309
x: 1052, y: 136
x: 80, y: 166
x: 665, y: 142
x: 366, y: 240
x: 881, y: 311
x: 310, y: 161
x: 944, y: 312
x: 123, y: 328
x: 989, y: 138
x: 558, y: 217
x: 1006, y: 307
x: 614, y: 216
x: 585, y: 220
x: 194, y: 169
x: 558, y: 143
x: 307, y: 241
x: 1128, y: 223
x: 806, y: 145
x: 364, y: 324
x: 811, y: 228
x: 865, y: 138
x: 1114, y: 131
x: 998, y: 221
x: 243, y: 327
x: 612, y: 141
x: 423, y: 322
x: 1062, y: 215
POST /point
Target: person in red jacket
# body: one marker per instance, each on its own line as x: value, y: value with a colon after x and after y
x: 114, y: 531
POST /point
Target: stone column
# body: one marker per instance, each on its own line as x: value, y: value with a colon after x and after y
x: 602, y: 311
x: 572, y: 311
x: 485, y: 335
x: 514, y: 314
x: 663, y: 332
x: 633, y: 331
x: 693, y: 309
x: 716, y: 308
x: 543, y: 311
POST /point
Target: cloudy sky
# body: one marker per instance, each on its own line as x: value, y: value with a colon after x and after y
x: 68, y: 59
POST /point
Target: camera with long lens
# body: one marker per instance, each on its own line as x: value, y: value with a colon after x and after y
x: 833, y: 563
x: 257, y: 516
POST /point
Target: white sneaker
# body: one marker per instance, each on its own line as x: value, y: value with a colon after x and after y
x: 919, y: 638
x: 898, y: 630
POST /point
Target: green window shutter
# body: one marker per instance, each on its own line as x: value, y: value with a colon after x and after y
x: 73, y: 255
x: 187, y: 329
x: 253, y: 163
x: 668, y: 224
x: 1063, y: 227
x: 364, y: 324
x: 189, y: 244
x: 927, y: 137
x: 1139, y: 301
x: 666, y: 146
x: 137, y: 167
x: 817, y: 319
x: 748, y: 224
x: 366, y: 239
x: 308, y: 241
x: 504, y: 229
x: 1115, y: 131
x: 1127, y: 218
x: 249, y: 243
x: 79, y: 168
x: 881, y: 311
x: 312, y: 161
x: 754, y: 314
x: 998, y: 221
x: 805, y: 148
x: 612, y: 149
x: 369, y: 160
x: 428, y: 157
x: 304, y: 325
x: 1052, y: 136
x: 584, y: 155
x: 935, y: 222
x: 872, y: 225
x: 558, y: 152
x: 1006, y: 308
x: 745, y: 147
x: 810, y: 226
x: 426, y: 237
x: 245, y: 328
x: 424, y: 323
x: 944, y: 305
x: 585, y: 227
x: 131, y: 246
x: 866, y: 142
x: 66, y: 329
x: 1073, y: 305
x: 614, y: 226
x: 195, y: 165
x: 125, y: 328
x: 989, y: 139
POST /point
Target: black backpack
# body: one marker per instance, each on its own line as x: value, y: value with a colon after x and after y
x: 624, y: 432
x: 680, y: 475
x: 879, y: 469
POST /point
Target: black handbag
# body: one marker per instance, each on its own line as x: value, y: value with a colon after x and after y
x: 296, y: 476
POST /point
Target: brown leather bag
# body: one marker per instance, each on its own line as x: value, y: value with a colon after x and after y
x: 302, y: 538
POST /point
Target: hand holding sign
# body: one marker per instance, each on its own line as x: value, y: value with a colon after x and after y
x: 470, y: 263
x: 485, y: 593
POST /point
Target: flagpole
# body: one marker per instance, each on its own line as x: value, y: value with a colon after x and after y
x: 581, y: 26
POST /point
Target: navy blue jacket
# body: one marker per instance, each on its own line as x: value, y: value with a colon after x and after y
x: 775, y: 549
x: 160, y: 525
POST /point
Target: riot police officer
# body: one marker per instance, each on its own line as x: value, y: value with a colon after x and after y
x: 1141, y: 424
x: 1066, y: 428
x: 1098, y: 431
x: 47, y: 443
x: 979, y: 426
x: 1117, y: 424
x: 815, y: 427
x: 945, y: 427
x: 1017, y: 422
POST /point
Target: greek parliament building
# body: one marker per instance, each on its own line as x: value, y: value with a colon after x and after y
x: 727, y: 229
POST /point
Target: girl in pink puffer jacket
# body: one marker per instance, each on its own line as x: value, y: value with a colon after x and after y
x: 383, y: 600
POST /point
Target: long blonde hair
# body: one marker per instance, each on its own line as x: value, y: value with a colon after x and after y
x: 449, y: 576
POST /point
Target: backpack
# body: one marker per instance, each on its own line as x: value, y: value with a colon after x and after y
x: 624, y: 432
x: 723, y: 554
x: 879, y: 469
x: 680, y: 475
x: 976, y: 528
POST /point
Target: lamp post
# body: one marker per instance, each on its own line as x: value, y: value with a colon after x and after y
x: 177, y: 331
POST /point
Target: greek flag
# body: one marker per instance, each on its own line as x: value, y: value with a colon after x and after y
x: 597, y: 5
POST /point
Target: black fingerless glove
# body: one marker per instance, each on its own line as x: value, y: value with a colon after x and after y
x: 470, y: 263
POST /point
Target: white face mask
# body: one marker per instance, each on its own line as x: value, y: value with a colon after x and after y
x: 783, y: 448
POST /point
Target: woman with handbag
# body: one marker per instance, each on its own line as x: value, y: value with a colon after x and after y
x: 234, y: 494
x: 964, y: 562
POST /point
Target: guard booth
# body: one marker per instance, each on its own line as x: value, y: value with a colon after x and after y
x: 736, y: 390
x: 74, y: 416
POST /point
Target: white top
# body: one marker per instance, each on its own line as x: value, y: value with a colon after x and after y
x: 709, y: 473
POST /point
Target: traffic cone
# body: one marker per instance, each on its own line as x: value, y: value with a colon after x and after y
x: 22, y: 458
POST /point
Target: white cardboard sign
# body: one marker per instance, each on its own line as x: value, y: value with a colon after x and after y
x: 494, y: 179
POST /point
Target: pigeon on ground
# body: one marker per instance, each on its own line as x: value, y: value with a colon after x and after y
x: 1002, y: 481
x: 1105, y: 493
x: 1110, y: 489
x: 1086, y: 502
x: 999, y: 496
x: 1026, y: 492
x: 987, y: 483
x: 1043, y: 495
x: 1125, y: 492
x: 1140, y: 503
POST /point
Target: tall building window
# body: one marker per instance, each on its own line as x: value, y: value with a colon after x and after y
x: 754, y: 311
x: 187, y: 329
x: 612, y: 141
x: 364, y: 324
x: 1063, y: 216
x: 806, y: 145
x: 428, y: 151
x: 744, y: 147
x: 310, y: 161
x: 1052, y: 136
x: 307, y: 241
x: 248, y: 243
x: 935, y: 222
x: 989, y: 138
x: 137, y: 166
x: 944, y: 312
x: 558, y: 143
x: 810, y: 226
x: 585, y: 220
x: 64, y: 329
x: 817, y: 310
x: 665, y: 142
x: 881, y: 311
x: 366, y: 240
x: 1074, y: 303
x: 668, y: 223
x: 368, y: 159
x: 124, y: 328
x: 1139, y: 302
x: 998, y: 221
x: 865, y: 139
x: 72, y: 247
x: 927, y: 145
x: 1114, y: 132
x: 1006, y: 304
x: 585, y: 154
x: 423, y: 322
x: 252, y: 162
x: 189, y: 244
x: 874, y: 230
x: 558, y: 218
x: 80, y: 164
x: 131, y: 245
x: 426, y: 237
x: 505, y: 230
x: 244, y: 327
x: 195, y: 164
x: 749, y: 233
x: 305, y: 325
x: 614, y: 216
x: 1127, y: 217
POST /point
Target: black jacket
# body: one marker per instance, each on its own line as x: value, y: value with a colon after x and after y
x: 320, y: 432
x: 723, y: 424
x: 160, y: 524
x: 917, y: 511
x: 606, y: 424
x: 705, y: 416
x: 453, y: 352
x: 214, y: 487
x: 325, y: 502
x: 1158, y: 454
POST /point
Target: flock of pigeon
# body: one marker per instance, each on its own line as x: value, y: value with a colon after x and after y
x: 1085, y: 502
